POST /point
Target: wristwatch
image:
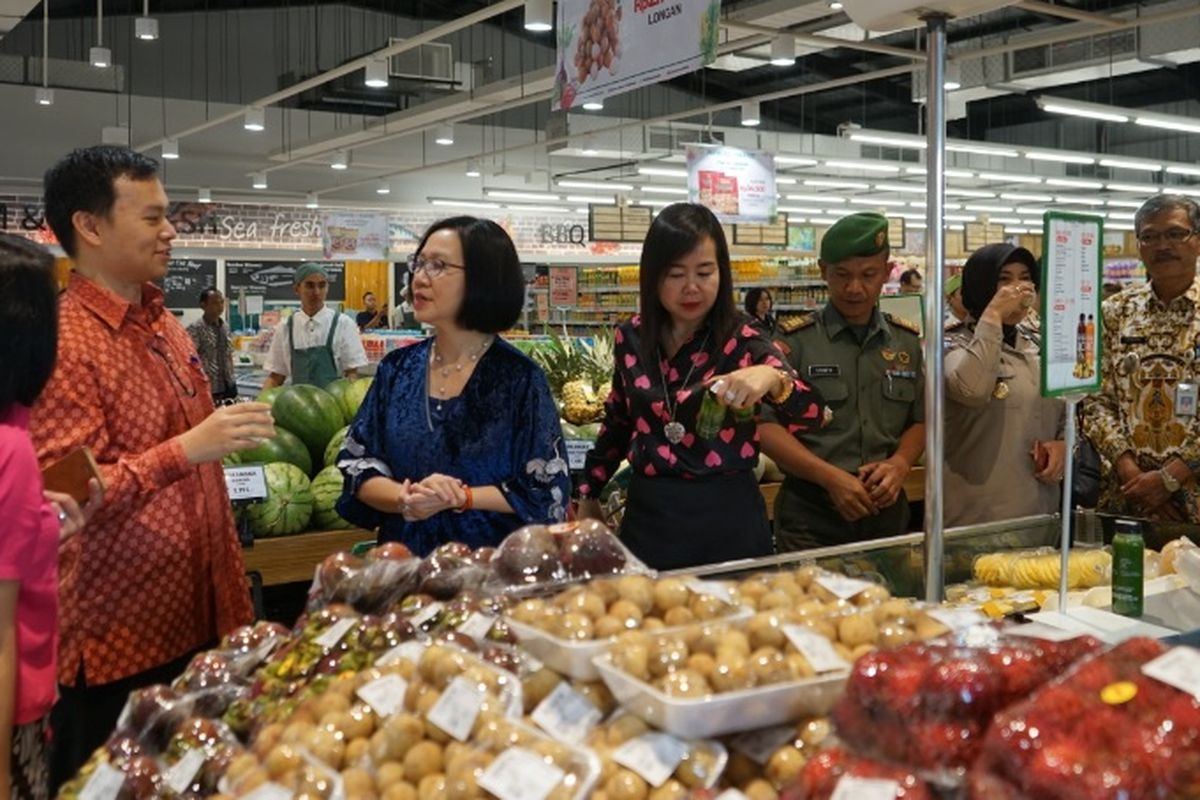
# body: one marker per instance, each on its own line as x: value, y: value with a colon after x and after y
x: 1169, y: 481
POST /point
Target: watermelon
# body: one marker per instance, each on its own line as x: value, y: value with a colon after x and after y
x: 231, y: 460
x: 289, y: 504
x: 312, y: 414
x: 268, y: 395
x: 285, y: 447
x: 326, y: 490
x: 335, y: 446
x: 349, y: 395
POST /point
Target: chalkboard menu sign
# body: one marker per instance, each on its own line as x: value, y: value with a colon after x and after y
x: 185, y: 279
x: 273, y: 279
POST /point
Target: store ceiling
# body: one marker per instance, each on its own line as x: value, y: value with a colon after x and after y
x: 215, y: 57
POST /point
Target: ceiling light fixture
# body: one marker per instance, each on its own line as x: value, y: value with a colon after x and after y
x: 444, y: 135
x: 887, y: 140
x: 815, y: 198
x: 989, y: 208
x: 1060, y: 157
x: 751, y: 113
x: 375, y: 74
x: 539, y: 16
x: 504, y: 194
x: 1179, y: 170
x: 204, y: 195
x: 799, y: 210
x: 100, y: 56
x: 259, y: 180
x: 1075, y: 108
x: 1139, y: 188
x: 981, y: 149
x: 1003, y: 178
x: 796, y: 161
x: 953, y: 78
x: 1078, y: 201
x: 958, y: 173
x: 969, y: 193
x: 170, y: 149
x: 1072, y: 183
x: 383, y: 187
x: 543, y: 209
x: 603, y: 186
x: 593, y: 105
x: 903, y: 188
x: 863, y: 166
x: 834, y: 5
x: 783, y: 50
x: 831, y: 184
x: 663, y: 172
x: 674, y: 190
x: 1168, y: 124
x: 463, y: 203
x: 876, y: 201
x: 473, y: 169
x: 340, y: 160
x: 44, y: 96
x: 1124, y: 203
x: 1119, y: 163
x: 310, y: 200
x: 255, y: 119
x: 145, y: 27
x: 1026, y: 198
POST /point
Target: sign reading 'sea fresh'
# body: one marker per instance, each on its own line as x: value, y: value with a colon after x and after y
x: 606, y: 47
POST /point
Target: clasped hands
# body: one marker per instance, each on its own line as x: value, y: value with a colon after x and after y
x: 422, y: 499
x: 876, y: 486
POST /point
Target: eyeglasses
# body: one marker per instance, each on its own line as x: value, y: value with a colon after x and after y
x: 433, y: 267
x: 1173, y: 236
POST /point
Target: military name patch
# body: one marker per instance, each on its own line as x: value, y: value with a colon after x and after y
x: 824, y: 370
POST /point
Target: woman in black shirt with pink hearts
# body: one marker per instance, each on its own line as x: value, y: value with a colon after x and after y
x: 692, y: 500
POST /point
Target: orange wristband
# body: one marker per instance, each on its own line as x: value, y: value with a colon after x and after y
x: 469, y: 503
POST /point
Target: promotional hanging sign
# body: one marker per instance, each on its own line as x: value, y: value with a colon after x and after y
x: 606, y: 47
x: 1072, y: 269
x: 737, y: 185
x: 355, y: 235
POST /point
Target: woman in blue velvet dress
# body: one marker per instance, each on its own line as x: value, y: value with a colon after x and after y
x: 458, y: 438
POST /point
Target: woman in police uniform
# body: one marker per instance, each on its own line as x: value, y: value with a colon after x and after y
x: 1004, y: 448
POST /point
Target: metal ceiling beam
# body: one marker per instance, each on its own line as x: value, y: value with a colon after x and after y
x: 829, y: 42
x: 1066, y: 12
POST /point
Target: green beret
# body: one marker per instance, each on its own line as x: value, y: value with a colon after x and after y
x: 861, y: 234
x: 953, y: 284
x: 306, y: 269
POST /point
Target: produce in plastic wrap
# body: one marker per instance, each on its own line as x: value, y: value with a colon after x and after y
x: 677, y: 767
x: 197, y: 756
x: 772, y: 758
x: 928, y: 704
x: 542, y: 557
x: 1104, y: 729
x: 1042, y: 569
x: 821, y: 776
x: 123, y: 768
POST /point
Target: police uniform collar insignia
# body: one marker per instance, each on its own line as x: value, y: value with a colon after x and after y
x: 903, y: 357
x: 888, y: 354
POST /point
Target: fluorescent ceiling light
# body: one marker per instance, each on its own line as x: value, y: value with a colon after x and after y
x: 539, y: 15
x: 145, y: 28
x: 578, y: 198
x: 916, y: 225
x: 463, y: 204
x: 383, y: 187
x: 1060, y: 157
x: 375, y: 73
x: 1180, y: 170
x: 473, y: 170
x: 781, y: 181
x: 255, y: 119
x: 550, y: 209
x: 875, y: 201
x: 824, y: 220
x: 990, y: 209
x: 1006, y: 220
x: 832, y: 184
x: 814, y: 198
x: 799, y: 210
x: 783, y: 50
x: 204, y: 195
x: 864, y: 166
x: 1003, y: 178
x: 1169, y: 124
x: 675, y: 190
x: 1027, y: 198
x: 1074, y: 108
x: 1030, y: 211
x: 259, y: 180
x: 958, y: 173
x: 603, y: 186
x: 751, y: 114
x: 1078, y: 201
x: 903, y: 188
x: 796, y: 161
x: 504, y: 194
x: 981, y: 149
x: 959, y: 217
x: 969, y: 193
x: 888, y: 140
x: 310, y: 200
x: 170, y: 149
x: 1118, y: 163
x: 593, y: 105
x: 952, y: 79
x: 915, y: 170
x: 443, y: 135
x: 101, y: 57
x: 1119, y: 227
x: 44, y: 96
x: 1120, y: 215
x: 1072, y: 183
x: 663, y: 172
x: 1133, y: 187
x: 1124, y: 203
x: 340, y: 160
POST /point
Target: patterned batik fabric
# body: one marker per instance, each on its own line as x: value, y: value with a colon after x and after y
x: 216, y: 354
x: 29, y: 764
x: 158, y: 571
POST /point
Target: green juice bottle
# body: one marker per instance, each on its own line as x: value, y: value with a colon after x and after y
x: 1128, y: 580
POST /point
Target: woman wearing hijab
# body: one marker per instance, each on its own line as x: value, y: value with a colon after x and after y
x: 1004, y: 448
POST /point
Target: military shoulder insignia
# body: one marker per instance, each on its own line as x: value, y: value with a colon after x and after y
x: 796, y: 322
x: 905, y: 324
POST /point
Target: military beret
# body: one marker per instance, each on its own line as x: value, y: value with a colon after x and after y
x: 306, y: 269
x: 861, y: 234
x: 953, y: 284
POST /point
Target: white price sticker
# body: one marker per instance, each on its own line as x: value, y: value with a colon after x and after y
x: 385, y: 695
x: 476, y: 626
x: 412, y: 650
x: 1040, y: 630
x: 426, y: 614
x: 654, y: 756
x: 104, y: 784
x: 716, y: 589
x: 518, y: 774
x: 851, y: 788
x: 815, y: 648
x: 246, y: 483
x: 1178, y: 667
x: 732, y: 794
x: 336, y: 632
x: 566, y: 714
x: 957, y: 618
x: 181, y: 774
x: 457, y: 709
x: 842, y: 587
x: 269, y: 791
x: 577, y: 450
x: 761, y: 744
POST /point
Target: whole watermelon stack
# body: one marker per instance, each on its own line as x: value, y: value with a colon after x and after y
x: 312, y: 414
x: 349, y: 395
x: 326, y: 489
x: 285, y: 447
x: 268, y: 395
x: 289, y: 504
x: 335, y: 446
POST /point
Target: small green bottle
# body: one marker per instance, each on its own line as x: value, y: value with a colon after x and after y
x: 1128, y: 582
x: 711, y: 416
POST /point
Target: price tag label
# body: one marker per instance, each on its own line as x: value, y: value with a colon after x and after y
x: 477, y: 626
x: 815, y: 648
x: 1040, y: 630
x: 577, y: 450
x: 566, y: 714
x: 716, y: 589
x: 1178, y: 667
x: 336, y: 632
x: 411, y: 650
x: 518, y: 774
x: 732, y: 794
x: 654, y: 756
x: 104, y: 784
x: 761, y: 744
x: 181, y: 774
x: 457, y: 709
x: 426, y: 614
x: 957, y: 618
x: 851, y: 788
x: 246, y: 483
x: 842, y: 587
x: 269, y: 791
x: 385, y: 695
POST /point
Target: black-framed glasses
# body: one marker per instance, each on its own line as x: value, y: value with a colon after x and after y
x: 1173, y: 236
x: 433, y: 267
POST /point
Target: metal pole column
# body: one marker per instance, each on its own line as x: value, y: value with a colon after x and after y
x: 935, y: 251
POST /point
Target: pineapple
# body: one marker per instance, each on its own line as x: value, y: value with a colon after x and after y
x: 579, y: 374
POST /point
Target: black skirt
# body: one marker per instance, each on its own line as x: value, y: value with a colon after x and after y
x: 671, y: 523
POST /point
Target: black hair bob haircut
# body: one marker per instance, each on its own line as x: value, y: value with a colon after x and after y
x: 83, y: 181
x: 28, y: 321
x: 494, y: 292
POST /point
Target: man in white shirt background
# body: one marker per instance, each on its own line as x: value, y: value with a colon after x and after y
x: 315, y: 345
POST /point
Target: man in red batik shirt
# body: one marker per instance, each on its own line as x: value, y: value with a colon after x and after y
x: 158, y: 572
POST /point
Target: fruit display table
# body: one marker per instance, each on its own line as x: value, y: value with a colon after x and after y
x: 289, y: 559
x: 914, y: 487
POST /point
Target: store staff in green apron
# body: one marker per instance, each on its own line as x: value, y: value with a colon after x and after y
x: 316, y: 344
x: 845, y: 480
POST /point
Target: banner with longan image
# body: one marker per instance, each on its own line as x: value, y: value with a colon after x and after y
x: 606, y: 47
x: 1072, y: 274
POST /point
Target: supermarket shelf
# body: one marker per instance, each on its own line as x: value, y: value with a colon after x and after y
x: 797, y: 306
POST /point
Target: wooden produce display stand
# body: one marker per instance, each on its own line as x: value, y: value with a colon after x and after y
x: 289, y: 559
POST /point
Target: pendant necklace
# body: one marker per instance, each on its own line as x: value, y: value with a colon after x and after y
x: 673, y: 430
x: 437, y: 362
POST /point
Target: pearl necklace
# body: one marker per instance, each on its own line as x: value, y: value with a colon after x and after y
x: 438, y: 363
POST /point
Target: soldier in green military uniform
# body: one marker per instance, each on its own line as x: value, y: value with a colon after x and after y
x: 845, y: 481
